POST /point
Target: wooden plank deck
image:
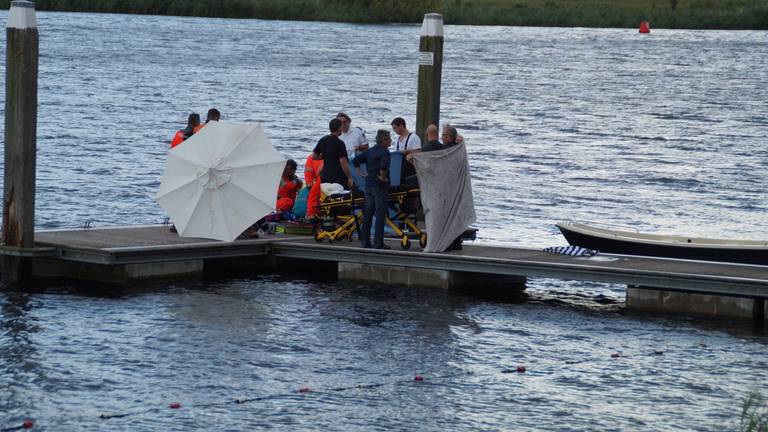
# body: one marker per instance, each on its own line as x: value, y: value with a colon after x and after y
x: 144, y: 244
x: 156, y: 244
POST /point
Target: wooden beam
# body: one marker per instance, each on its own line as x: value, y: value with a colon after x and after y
x: 22, y: 45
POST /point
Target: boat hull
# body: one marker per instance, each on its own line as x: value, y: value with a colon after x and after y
x: 627, y: 247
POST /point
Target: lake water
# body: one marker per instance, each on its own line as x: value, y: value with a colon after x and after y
x: 666, y: 132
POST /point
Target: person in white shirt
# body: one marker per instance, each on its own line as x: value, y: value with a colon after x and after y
x: 407, y: 141
x: 353, y: 137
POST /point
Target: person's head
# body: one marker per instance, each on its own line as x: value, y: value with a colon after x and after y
x: 290, y: 168
x: 213, y: 115
x: 193, y: 120
x: 431, y: 132
x: 383, y: 138
x: 449, y: 135
x: 335, y: 126
x: 398, y: 125
x: 345, y: 121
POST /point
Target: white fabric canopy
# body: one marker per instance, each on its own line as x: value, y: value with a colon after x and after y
x: 221, y: 180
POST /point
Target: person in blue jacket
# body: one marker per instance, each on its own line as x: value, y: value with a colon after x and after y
x: 376, y: 160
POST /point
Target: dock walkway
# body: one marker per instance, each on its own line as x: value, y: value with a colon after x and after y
x: 155, y: 244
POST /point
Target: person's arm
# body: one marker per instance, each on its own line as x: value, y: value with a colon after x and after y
x: 409, y: 155
x: 363, y: 144
x: 345, y: 167
x: 359, y: 160
x: 309, y: 174
x: 317, y: 152
x: 299, y: 183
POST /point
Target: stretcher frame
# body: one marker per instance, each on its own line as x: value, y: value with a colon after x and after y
x: 340, y: 218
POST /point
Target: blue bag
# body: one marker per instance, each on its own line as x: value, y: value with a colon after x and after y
x: 300, y: 205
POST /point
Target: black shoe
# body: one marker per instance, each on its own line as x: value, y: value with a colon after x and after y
x: 455, y: 245
x: 383, y: 247
x: 173, y: 229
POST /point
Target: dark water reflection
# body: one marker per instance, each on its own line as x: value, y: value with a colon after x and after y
x: 69, y: 358
x: 664, y: 133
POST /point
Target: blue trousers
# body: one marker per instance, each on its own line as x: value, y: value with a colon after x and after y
x: 375, y: 205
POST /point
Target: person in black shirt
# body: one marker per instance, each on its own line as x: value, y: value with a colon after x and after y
x: 432, y: 142
x: 333, y: 152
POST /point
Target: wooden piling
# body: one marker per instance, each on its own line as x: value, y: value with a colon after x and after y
x: 22, y: 45
x: 430, y: 71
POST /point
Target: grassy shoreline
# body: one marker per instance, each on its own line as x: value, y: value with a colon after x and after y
x: 680, y: 14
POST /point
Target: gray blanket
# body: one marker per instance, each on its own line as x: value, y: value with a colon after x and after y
x: 446, y: 194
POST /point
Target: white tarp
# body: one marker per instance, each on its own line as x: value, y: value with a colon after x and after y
x: 446, y: 194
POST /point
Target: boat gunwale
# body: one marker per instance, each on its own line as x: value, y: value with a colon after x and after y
x: 663, y: 240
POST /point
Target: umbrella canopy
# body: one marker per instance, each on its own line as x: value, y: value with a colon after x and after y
x: 221, y: 180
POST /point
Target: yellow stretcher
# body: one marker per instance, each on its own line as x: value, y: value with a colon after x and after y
x: 341, y: 215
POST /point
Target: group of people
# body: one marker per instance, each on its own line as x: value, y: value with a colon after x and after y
x: 332, y: 159
x: 193, y: 126
x: 329, y: 162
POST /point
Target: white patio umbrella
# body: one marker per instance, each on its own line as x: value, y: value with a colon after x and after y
x: 221, y: 180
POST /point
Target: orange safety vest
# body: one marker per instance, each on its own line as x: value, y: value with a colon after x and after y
x: 178, y: 138
x: 312, y: 169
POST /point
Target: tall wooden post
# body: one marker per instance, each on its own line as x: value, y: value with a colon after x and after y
x: 430, y: 72
x: 20, y: 137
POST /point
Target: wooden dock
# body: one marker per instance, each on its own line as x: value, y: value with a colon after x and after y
x: 153, y: 251
x: 156, y: 244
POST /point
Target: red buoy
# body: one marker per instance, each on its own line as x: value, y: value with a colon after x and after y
x: 418, y: 378
x: 645, y: 27
x: 304, y: 390
x: 174, y: 405
x: 615, y: 355
x: 521, y: 369
x: 28, y: 424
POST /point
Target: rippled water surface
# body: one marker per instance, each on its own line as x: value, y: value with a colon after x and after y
x: 666, y: 132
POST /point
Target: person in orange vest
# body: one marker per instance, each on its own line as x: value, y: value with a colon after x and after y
x: 213, y: 115
x: 289, y: 187
x: 312, y: 169
x: 193, y: 123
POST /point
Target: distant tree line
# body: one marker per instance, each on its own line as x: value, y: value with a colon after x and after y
x: 698, y: 14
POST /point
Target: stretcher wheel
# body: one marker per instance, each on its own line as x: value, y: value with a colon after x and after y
x: 405, y: 243
x: 423, y: 240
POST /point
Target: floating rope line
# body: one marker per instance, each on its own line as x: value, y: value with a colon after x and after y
x: 417, y: 378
